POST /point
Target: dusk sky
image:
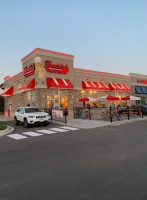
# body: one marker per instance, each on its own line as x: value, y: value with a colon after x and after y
x: 104, y: 35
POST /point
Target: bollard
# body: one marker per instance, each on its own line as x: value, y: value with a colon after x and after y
x: 128, y: 112
x: 110, y: 115
x: 89, y: 114
x: 139, y: 110
x: 8, y: 113
x: 142, y: 114
x: 65, y: 116
x: 51, y: 115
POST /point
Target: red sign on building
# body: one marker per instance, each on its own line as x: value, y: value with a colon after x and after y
x: 28, y: 71
x: 56, y: 68
x: 145, y: 81
x: 141, y: 81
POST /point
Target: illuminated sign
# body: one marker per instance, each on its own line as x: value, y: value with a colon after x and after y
x: 56, y: 68
x: 145, y: 81
x: 141, y: 81
x: 28, y: 71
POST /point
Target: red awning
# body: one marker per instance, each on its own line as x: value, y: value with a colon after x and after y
x: 8, y: 92
x: 119, y: 87
x: 94, y: 85
x: 28, y: 85
x: 59, y: 83
x: 127, y: 88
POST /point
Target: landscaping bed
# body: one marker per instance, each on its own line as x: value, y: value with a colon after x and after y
x: 2, y: 126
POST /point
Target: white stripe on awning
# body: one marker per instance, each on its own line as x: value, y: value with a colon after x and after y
x: 64, y: 81
x: 86, y: 84
x: 93, y: 84
x: 56, y: 81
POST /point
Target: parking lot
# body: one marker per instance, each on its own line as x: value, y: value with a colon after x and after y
x: 99, y: 163
x: 20, y: 132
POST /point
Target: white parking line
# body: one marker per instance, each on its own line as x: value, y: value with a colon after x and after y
x: 17, y: 136
x: 46, y: 131
x: 70, y: 128
x: 59, y: 129
x: 33, y: 134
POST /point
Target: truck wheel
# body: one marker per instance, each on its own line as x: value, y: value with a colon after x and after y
x: 26, y: 125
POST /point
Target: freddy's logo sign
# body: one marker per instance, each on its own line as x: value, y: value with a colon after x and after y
x: 28, y: 71
x: 56, y: 68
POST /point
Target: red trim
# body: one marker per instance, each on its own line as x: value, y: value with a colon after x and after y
x: 14, y: 76
x: 27, y: 85
x: 101, y: 72
x: 47, y: 51
x: 8, y: 92
x: 6, y: 77
x: 58, y: 83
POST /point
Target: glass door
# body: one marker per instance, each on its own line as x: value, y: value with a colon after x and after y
x: 50, y: 103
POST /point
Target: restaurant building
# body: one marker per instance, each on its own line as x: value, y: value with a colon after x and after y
x: 139, y: 87
x: 49, y: 79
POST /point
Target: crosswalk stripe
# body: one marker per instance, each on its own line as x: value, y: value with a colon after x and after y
x: 70, y: 128
x: 46, y: 131
x: 59, y: 129
x: 17, y: 136
x: 33, y: 134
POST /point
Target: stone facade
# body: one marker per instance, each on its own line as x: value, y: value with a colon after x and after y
x: 41, y: 98
x: 76, y: 76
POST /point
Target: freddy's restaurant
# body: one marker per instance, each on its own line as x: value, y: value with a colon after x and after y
x: 49, y: 79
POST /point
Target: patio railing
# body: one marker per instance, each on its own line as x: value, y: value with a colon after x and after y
x: 106, y: 113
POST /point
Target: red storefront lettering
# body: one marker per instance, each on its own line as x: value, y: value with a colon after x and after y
x: 141, y: 81
x: 28, y: 71
x: 56, y: 68
x: 145, y: 81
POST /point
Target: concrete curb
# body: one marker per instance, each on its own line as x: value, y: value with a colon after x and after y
x: 117, y: 123
x: 114, y: 123
x: 8, y: 130
x: 5, y: 119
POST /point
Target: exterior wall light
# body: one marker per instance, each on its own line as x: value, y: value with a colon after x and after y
x: 38, y: 64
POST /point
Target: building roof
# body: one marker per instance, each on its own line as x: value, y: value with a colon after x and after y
x: 46, y: 51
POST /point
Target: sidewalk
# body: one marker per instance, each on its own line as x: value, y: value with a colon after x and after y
x: 86, y: 123
x: 4, y: 119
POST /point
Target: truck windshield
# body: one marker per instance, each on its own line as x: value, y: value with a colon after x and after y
x: 32, y: 110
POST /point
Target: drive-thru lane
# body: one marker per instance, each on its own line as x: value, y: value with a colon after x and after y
x: 102, y: 163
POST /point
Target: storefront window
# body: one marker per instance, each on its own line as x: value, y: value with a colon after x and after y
x: 53, y: 98
x: 63, y: 102
x: 63, y: 99
x: 57, y: 98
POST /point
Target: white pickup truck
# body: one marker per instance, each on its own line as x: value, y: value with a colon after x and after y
x: 31, y: 115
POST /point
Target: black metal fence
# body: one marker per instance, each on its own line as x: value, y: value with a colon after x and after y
x: 107, y: 113
x: 57, y: 114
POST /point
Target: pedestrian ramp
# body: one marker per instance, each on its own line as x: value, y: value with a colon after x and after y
x: 36, y: 133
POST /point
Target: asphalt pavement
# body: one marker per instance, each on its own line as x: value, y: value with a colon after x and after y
x: 107, y: 163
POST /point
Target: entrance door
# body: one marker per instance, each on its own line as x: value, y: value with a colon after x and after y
x: 50, y: 103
